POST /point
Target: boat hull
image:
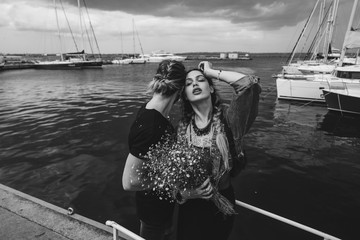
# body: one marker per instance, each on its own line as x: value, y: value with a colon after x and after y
x: 64, y: 65
x: 160, y: 59
x: 138, y: 61
x: 301, y: 89
x: 317, y: 69
x: 309, y: 87
x: 342, y: 102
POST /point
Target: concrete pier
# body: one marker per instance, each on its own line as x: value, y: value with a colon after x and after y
x: 25, y: 217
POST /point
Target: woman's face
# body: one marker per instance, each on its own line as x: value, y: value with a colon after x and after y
x: 197, y: 87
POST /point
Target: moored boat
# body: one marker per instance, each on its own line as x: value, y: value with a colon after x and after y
x: 136, y: 58
x: 139, y: 60
x: 74, y: 60
x: 343, y: 101
x: 121, y: 61
x: 161, y: 55
x: 310, y: 87
x: 68, y: 64
x: 298, y: 80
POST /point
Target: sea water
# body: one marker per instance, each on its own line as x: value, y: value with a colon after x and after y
x: 63, y: 139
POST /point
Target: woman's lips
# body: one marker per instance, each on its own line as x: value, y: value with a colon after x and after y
x: 197, y: 91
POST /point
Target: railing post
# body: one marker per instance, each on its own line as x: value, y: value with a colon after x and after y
x: 115, y: 234
x: 123, y: 232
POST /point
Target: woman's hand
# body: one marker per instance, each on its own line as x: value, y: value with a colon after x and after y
x: 205, y: 191
x: 205, y: 66
x: 226, y: 76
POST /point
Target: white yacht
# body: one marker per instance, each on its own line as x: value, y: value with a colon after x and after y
x: 162, y: 55
x: 310, y: 87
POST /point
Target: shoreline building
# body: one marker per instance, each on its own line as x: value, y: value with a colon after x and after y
x: 235, y: 56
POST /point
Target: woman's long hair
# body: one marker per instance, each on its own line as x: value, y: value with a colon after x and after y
x: 169, y: 78
x: 216, y: 112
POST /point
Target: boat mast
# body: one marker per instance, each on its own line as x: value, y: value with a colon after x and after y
x: 122, y: 46
x: 81, y: 28
x: 320, y: 24
x: 321, y: 13
x: 351, y: 19
x: 137, y: 35
x: 330, y: 29
x: 302, y: 33
x: 133, y: 25
x: 92, y: 30
x: 59, y: 34
x: 326, y: 39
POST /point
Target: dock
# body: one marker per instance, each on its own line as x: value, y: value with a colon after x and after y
x: 25, y: 217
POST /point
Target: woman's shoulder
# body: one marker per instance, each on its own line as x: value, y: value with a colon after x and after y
x: 150, y: 117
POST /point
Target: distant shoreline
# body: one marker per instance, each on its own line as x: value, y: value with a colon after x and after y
x: 180, y: 53
x: 108, y: 57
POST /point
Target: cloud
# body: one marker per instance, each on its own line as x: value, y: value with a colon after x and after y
x: 264, y: 14
x: 182, y: 25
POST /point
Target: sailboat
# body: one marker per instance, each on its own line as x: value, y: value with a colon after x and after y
x: 296, y: 81
x: 309, y: 87
x: 73, y: 60
x: 140, y: 59
x: 345, y: 97
x: 323, y: 35
x: 122, y: 60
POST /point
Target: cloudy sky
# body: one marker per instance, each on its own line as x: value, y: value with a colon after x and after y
x: 29, y: 26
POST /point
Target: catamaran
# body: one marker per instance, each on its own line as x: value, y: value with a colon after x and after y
x: 344, y: 96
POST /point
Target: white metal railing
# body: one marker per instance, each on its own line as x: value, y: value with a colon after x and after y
x: 287, y: 221
x: 123, y: 232
x: 127, y: 234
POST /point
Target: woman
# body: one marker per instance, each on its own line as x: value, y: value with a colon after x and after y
x: 207, y: 124
x: 150, y: 127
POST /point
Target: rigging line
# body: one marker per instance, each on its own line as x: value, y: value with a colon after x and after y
x: 92, y: 29
x: 340, y: 108
x: 304, y: 105
x: 270, y: 92
x: 137, y: 34
x: 316, y: 35
x: 318, y: 31
x: 312, y: 27
x: 67, y: 20
x: 314, y: 100
x: 88, y: 37
x: 302, y: 32
x: 59, y: 32
x: 307, y: 38
x: 358, y: 20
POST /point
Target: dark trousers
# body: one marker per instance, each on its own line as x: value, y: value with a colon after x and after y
x: 155, y: 232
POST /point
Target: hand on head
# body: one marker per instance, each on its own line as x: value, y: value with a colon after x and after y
x: 205, y: 66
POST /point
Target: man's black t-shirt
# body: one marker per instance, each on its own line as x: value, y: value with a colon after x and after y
x: 147, y: 130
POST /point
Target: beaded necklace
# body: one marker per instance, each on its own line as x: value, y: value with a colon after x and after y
x: 200, y: 137
x: 201, y: 131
